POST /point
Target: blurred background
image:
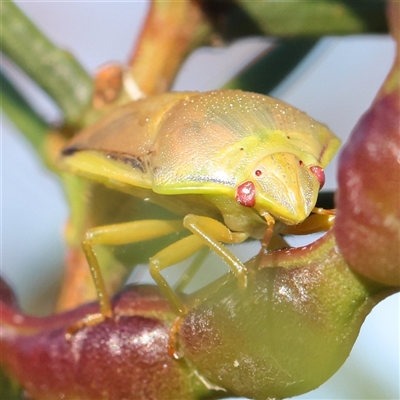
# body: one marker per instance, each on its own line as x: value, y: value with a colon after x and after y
x: 334, y: 84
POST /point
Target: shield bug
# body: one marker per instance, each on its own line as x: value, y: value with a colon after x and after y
x: 230, y: 163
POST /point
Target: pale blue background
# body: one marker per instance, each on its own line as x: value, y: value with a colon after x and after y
x: 335, y: 85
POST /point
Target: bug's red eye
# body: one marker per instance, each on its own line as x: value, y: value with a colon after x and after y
x: 258, y: 172
x: 246, y: 194
x: 300, y: 163
x: 319, y: 174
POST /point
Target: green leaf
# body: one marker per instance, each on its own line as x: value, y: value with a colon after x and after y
x: 268, y: 71
x: 296, y: 17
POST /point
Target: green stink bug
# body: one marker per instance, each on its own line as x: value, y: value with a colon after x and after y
x: 230, y: 163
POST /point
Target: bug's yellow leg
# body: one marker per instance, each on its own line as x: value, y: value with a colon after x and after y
x: 212, y: 233
x: 173, y: 254
x: 117, y: 234
x: 320, y: 220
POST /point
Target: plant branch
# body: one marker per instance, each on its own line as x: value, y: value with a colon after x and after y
x: 22, y: 115
x: 56, y: 71
x: 171, y: 30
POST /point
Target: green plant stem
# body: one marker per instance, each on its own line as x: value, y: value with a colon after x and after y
x: 22, y: 115
x: 56, y: 71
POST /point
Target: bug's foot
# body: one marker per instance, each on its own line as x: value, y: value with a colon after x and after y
x: 173, y: 344
x: 324, y: 211
x: 89, y: 320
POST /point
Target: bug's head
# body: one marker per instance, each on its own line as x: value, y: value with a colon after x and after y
x: 283, y: 186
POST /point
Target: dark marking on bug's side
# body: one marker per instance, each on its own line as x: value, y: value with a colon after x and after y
x: 69, y: 150
x: 135, y: 162
x: 321, y: 154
